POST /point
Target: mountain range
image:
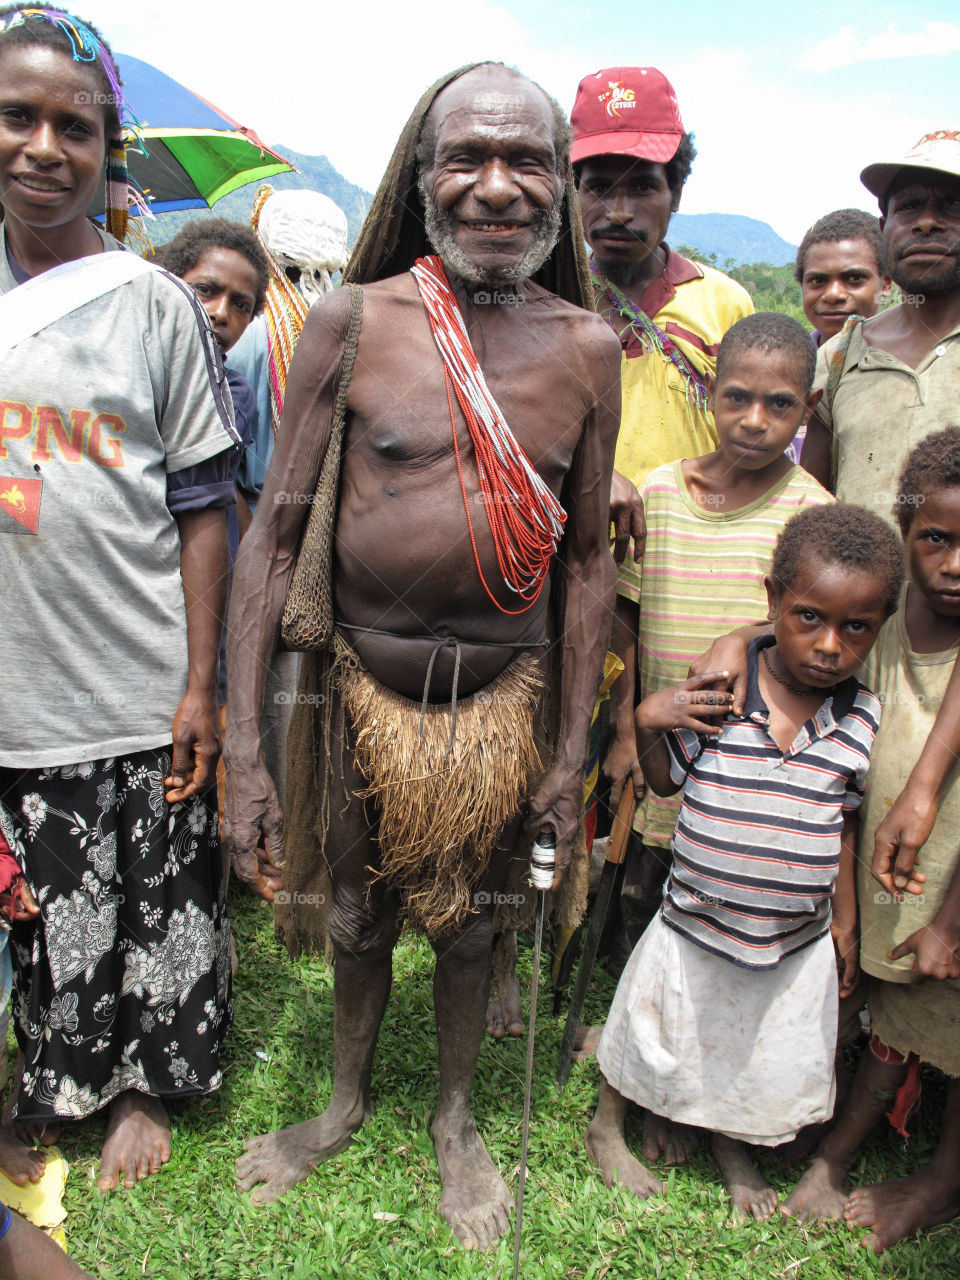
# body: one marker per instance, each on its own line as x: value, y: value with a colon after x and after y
x: 731, y: 235
x: 733, y: 238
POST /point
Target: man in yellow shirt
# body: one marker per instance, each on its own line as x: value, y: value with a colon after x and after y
x: 632, y: 157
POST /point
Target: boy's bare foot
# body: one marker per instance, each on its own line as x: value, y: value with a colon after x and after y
x: 137, y: 1141
x: 275, y: 1162
x: 20, y: 1162
x: 751, y: 1196
x: 475, y: 1200
x: 820, y: 1193
x: 664, y: 1140
x: 585, y: 1043
x: 608, y: 1151
x: 504, y: 1014
x: 807, y: 1140
x: 899, y: 1208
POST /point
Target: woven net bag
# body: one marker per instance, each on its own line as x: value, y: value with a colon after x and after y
x: 308, y: 612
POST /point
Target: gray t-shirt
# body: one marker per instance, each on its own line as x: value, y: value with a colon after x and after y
x: 95, y: 410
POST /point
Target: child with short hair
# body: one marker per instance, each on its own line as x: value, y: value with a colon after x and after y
x: 227, y: 268
x: 910, y: 946
x: 841, y: 269
x: 712, y: 522
x: 842, y: 272
x: 726, y: 1015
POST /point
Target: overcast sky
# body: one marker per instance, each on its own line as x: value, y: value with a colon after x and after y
x: 788, y: 102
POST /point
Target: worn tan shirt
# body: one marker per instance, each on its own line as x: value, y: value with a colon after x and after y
x: 910, y: 687
x: 883, y: 409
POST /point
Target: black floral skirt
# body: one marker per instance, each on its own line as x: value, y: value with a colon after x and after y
x: 123, y: 982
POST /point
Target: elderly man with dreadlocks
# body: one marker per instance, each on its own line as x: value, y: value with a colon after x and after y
x: 481, y: 420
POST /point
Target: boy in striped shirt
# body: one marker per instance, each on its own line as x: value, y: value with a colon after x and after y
x: 712, y: 522
x: 726, y: 1015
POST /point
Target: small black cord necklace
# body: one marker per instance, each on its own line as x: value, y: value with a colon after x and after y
x: 799, y: 690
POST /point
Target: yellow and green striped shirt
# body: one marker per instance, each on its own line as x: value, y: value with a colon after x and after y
x: 702, y: 575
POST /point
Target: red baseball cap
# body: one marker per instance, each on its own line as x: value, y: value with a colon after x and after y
x: 626, y: 111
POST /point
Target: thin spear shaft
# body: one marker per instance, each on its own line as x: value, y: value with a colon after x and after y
x: 528, y: 1081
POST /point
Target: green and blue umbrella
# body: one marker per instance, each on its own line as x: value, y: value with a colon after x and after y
x: 193, y: 154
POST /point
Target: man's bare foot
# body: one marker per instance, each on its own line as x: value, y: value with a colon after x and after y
x: 585, y: 1043
x: 899, y: 1208
x: 504, y: 1014
x: 275, y: 1162
x: 608, y: 1151
x: 662, y: 1139
x: 137, y: 1141
x: 751, y: 1195
x: 20, y: 1162
x: 820, y: 1193
x: 475, y: 1200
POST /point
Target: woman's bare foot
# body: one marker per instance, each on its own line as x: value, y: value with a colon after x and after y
x: 20, y: 1162
x: 585, y: 1043
x: 31, y: 1133
x: 137, y: 1141
x: 751, y: 1195
x: 504, y: 1014
x: 275, y: 1162
x: 901, y: 1207
x: 820, y: 1193
x: 475, y: 1200
x: 609, y: 1152
x: 662, y: 1139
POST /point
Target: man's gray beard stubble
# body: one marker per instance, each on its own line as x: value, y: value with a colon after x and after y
x: 440, y: 232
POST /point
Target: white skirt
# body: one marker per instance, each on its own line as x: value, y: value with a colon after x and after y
x: 743, y: 1052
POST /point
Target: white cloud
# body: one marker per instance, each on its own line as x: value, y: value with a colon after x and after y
x: 844, y: 48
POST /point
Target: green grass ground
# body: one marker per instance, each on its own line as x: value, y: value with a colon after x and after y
x: 370, y: 1212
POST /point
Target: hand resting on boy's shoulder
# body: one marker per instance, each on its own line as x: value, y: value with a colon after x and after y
x: 682, y: 706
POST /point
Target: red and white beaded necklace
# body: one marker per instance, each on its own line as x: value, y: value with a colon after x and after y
x: 525, y: 518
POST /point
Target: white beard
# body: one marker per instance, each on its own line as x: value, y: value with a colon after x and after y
x: 440, y: 232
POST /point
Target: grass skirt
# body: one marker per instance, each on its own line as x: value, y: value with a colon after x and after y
x: 444, y: 788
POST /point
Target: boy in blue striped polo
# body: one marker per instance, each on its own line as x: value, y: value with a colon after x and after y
x: 725, y: 1017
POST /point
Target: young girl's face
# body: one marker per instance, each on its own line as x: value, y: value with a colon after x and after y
x: 52, y: 137
x: 827, y: 622
x: 933, y: 550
